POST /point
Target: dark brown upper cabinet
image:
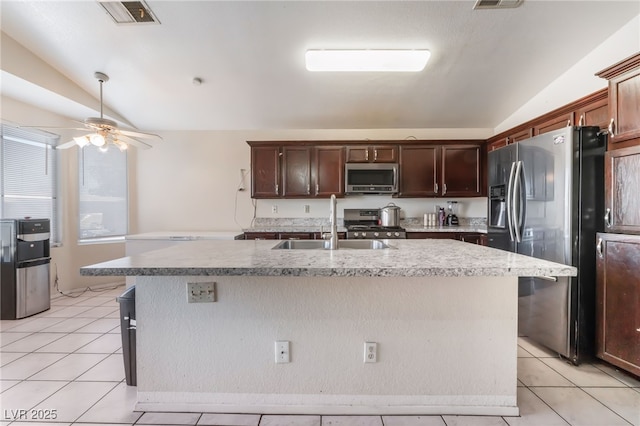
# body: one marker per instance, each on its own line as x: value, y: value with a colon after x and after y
x: 622, y: 186
x: 372, y: 154
x: 265, y: 172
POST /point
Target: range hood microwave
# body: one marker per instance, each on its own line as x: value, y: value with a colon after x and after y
x: 371, y: 178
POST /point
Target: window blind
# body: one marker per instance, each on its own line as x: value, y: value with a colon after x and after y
x: 103, y: 197
x: 29, y: 186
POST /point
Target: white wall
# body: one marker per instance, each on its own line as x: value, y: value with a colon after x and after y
x: 580, y: 80
x: 190, y: 180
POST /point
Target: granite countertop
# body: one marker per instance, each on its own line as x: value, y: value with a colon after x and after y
x: 406, y: 258
x: 185, y: 235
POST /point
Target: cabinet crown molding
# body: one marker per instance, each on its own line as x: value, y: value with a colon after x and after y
x: 621, y: 67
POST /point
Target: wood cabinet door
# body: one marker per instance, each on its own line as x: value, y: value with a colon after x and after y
x: 357, y: 154
x: 265, y: 172
x: 460, y: 171
x: 520, y: 136
x: 618, y: 300
x: 624, y: 107
x: 328, y: 171
x: 594, y: 114
x: 384, y: 154
x: 552, y: 124
x: 622, y: 190
x: 418, y: 171
x: 296, y: 171
x: 296, y: 236
x: 260, y: 236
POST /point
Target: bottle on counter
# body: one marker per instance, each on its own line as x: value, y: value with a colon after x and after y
x: 441, y: 217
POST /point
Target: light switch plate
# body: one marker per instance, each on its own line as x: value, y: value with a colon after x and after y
x: 201, y: 292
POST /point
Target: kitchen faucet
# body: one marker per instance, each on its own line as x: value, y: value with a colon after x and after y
x: 333, y: 219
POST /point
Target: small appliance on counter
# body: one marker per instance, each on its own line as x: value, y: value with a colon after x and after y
x: 367, y: 224
x: 452, y: 216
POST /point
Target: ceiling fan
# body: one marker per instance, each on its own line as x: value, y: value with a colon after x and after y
x: 105, y: 131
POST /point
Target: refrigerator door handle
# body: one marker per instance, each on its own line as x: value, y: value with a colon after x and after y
x: 516, y: 205
x: 509, y: 201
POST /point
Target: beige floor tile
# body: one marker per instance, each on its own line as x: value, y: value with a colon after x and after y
x: 94, y: 301
x: 625, y: 401
x: 413, y: 421
x: 31, y: 342
x: 67, y: 301
x: 116, y: 407
x: 351, y: 421
x: 534, y: 412
x: 522, y: 353
x: 37, y: 324
x: 66, y: 312
x: 28, y: 365
x: 74, y: 399
x: 102, y: 325
x: 274, y: 420
x: 577, y: 407
x: 619, y: 374
x: 41, y: 424
x: 26, y: 395
x: 583, y: 374
x: 105, y: 344
x: 8, y: 337
x: 474, y: 421
x: 169, y: 419
x: 70, y: 343
x: 8, y: 357
x: 111, y: 369
x: 97, y: 312
x: 69, y: 325
x: 69, y: 367
x: 535, y: 349
x: 533, y: 372
x: 6, y: 325
x: 6, y: 384
x: 229, y: 420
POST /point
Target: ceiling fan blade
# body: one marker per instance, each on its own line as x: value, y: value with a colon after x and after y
x: 134, y: 142
x: 137, y: 134
x: 66, y: 145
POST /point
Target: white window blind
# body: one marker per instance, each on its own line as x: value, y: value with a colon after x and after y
x: 103, y: 195
x: 28, y: 186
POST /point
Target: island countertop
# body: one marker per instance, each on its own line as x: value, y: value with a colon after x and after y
x: 406, y: 258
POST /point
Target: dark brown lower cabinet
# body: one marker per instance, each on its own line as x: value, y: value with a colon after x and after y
x: 287, y: 235
x: 618, y: 300
x: 470, y: 237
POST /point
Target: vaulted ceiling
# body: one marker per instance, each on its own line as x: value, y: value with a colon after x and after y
x: 250, y: 56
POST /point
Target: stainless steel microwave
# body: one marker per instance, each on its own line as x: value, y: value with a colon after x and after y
x: 371, y: 178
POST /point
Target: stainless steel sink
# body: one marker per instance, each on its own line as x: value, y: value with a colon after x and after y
x: 324, y: 245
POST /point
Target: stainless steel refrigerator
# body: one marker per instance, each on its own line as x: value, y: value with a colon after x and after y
x: 546, y: 198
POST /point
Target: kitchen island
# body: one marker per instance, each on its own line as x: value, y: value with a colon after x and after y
x: 443, y: 314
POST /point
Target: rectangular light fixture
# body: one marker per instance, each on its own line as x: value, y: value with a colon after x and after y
x: 367, y: 60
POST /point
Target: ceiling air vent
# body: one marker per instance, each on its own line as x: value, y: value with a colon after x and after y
x: 497, y: 4
x: 129, y: 12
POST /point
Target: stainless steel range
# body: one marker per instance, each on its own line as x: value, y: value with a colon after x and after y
x: 364, y: 224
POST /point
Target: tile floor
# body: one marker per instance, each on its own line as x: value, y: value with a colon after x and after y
x: 68, y: 359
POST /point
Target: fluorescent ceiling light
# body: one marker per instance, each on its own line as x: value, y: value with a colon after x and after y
x: 367, y: 60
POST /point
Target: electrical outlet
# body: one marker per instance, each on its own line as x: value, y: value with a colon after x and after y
x: 274, y: 208
x: 370, y: 352
x: 201, y: 292
x: 282, y: 352
x: 306, y: 208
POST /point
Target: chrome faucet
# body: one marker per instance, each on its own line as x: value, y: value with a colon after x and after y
x: 333, y: 219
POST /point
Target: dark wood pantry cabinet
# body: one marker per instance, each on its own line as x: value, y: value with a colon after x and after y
x: 622, y: 190
x: 618, y: 300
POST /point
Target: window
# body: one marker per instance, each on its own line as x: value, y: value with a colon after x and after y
x: 103, y: 193
x: 28, y: 180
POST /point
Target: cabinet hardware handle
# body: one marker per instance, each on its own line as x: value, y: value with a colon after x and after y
x: 317, y: 189
x: 444, y: 189
x: 581, y: 121
x: 547, y: 278
x: 277, y: 187
x: 435, y: 188
x: 610, y: 128
x: 375, y: 154
x: 308, y: 188
x: 366, y: 154
x: 599, y: 248
x: 568, y: 123
x: 506, y: 140
x: 607, y: 218
x: 638, y: 330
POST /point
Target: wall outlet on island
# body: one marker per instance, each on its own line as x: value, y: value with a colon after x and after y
x: 307, y: 208
x: 201, y: 292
